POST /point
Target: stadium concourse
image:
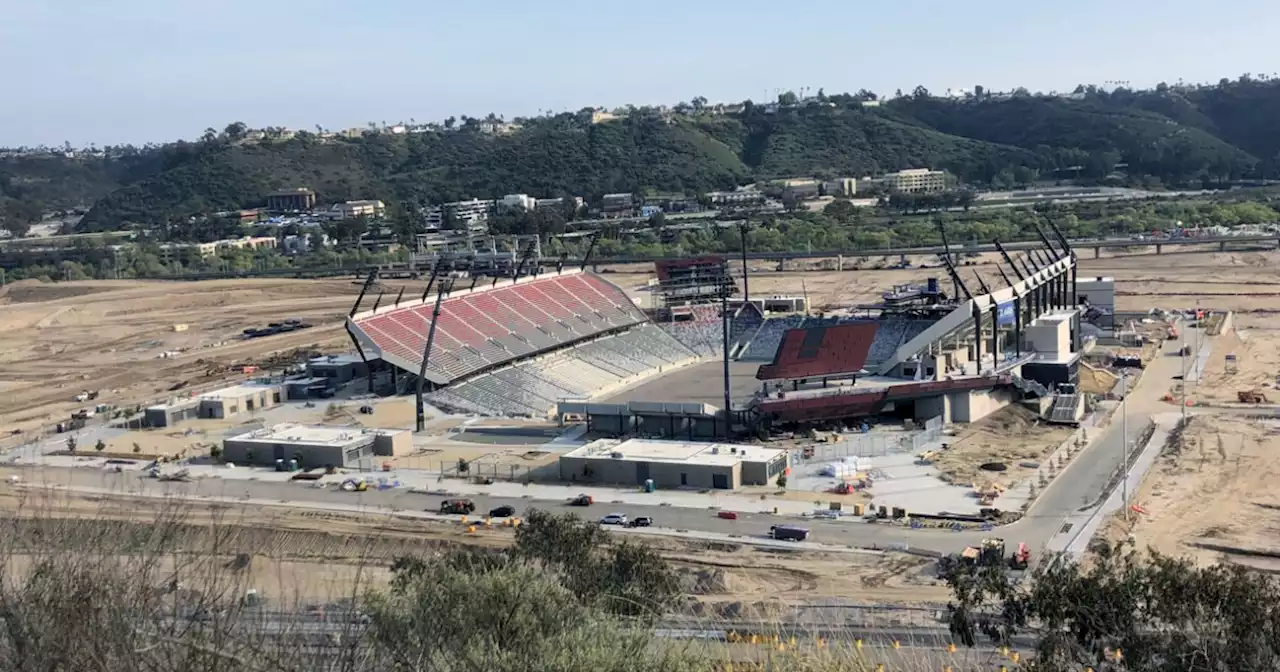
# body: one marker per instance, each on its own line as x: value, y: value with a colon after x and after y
x: 519, y: 347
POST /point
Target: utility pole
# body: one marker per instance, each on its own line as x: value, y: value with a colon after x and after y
x: 724, y: 326
x: 1182, y: 440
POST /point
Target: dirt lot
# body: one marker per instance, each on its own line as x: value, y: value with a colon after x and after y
x: 59, y: 339
x: 1216, y: 499
x: 1011, y: 436
x: 316, y: 557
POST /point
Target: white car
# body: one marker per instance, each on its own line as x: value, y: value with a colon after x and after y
x: 614, y: 519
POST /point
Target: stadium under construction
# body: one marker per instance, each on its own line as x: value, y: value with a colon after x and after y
x: 709, y: 360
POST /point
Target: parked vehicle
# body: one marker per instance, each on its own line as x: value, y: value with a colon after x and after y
x: 640, y: 521
x: 789, y: 532
x: 457, y: 506
x: 502, y: 512
x: 614, y: 519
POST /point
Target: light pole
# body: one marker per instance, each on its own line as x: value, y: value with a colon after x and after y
x: 1124, y: 431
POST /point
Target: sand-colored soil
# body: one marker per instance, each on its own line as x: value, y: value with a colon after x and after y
x: 1216, y: 494
x: 316, y: 556
x: 59, y: 339
x: 1014, y: 436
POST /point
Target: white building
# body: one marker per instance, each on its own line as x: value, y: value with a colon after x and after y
x: 353, y: 209
x: 522, y: 201
x: 473, y: 213
x: 916, y: 181
x: 738, y: 197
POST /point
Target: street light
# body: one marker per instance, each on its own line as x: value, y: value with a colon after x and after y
x: 1124, y: 431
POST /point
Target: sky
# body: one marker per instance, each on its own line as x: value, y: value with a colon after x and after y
x: 135, y: 71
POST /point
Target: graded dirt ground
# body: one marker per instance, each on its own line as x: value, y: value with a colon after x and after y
x: 59, y: 339
x: 1013, y: 436
x: 1215, y: 498
x: 311, y: 557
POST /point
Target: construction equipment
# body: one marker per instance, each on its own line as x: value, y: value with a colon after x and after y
x: 581, y: 500
x: 457, y: 506
x: 988, y: 493
x: 1021, y: 558
x: 992, y: 553
x: 354, y: 485
x: 1254, y: 396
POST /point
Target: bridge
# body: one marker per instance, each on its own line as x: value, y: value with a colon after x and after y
x: 10, y: 259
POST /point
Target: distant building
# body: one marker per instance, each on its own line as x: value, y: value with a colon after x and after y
x: 601, y: 115
x: 916, y: 181
x: 617, y: 204
x: 472, y: 214
x: 738, y: 197
x: 291, y: 200
x: 558, y: 202
x: 844, y: 186
x: 522, y: 201
x: 185, y: 252
x: 354, y: 209
x: 802, y: 188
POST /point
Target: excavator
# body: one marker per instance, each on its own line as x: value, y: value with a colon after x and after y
x: 1254, y: 396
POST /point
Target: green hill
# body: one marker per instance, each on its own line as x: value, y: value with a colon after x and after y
x: 1178, y: 135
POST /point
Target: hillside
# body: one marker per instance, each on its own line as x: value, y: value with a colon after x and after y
x: 1177, y: 135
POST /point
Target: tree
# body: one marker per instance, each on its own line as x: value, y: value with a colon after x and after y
x: 17, y: 215
x: 449, y: 122
x: 1164, y: 614
x: 920, y: 93
x: 236, y: 130
x: 699, y: 103
x: 137, y: 448
x: 71, y: 444
x: 788, y: 98
x: 100, y: 445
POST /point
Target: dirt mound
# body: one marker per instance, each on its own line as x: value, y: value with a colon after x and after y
x: 704, y: 581
x: 34, y: 291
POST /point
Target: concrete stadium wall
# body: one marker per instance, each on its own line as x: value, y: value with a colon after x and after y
x: 975, y: 405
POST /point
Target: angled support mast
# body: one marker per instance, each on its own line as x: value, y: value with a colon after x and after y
x: 426, y: 355
x: 1005, y: 253
x: 951, y: 267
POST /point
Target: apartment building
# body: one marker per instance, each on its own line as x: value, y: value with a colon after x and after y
x: 619, y: 203
x: 354, y: 209
x: 291, y: 200
x: 917, y: 181
x: 185, y: 252
x: 473, y: 213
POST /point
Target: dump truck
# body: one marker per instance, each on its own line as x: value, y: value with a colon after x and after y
x: 1254, y: 396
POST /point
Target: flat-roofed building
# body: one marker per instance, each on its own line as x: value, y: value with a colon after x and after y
x: 917, y: 181
x: 316, y: 446
x: 290, y: 200
x: 354, y: 209
x: 673, y: 464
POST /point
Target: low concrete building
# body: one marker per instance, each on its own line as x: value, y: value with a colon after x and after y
x: 244, y: 398
x: 316, y: 446
x: 340, y: 369
x: 171, y: 413
x: 673, y: 464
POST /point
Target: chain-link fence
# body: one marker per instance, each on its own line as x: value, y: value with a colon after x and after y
x: 880, y: 444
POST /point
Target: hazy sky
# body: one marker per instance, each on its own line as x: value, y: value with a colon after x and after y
x: 110, y: 71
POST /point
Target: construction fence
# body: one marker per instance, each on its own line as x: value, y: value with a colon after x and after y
x: 880, y: 444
